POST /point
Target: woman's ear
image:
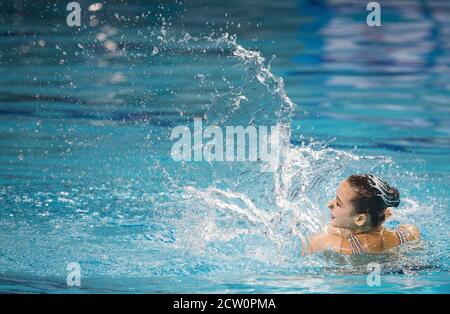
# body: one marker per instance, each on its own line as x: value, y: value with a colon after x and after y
x: 360, y: 220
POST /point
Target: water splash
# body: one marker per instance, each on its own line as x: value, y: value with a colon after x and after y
x: 283, y: 207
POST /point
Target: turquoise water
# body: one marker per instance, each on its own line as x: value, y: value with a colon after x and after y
x: 86, y: 115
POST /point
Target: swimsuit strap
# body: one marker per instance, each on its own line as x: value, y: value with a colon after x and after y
x: 402, y: 235
x: 355, y: 244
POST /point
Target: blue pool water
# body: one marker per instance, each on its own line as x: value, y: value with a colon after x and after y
x: 86, y: 173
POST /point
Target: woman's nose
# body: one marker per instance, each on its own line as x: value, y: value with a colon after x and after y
x: 330, y: 204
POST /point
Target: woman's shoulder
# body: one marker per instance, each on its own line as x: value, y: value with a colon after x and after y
x: 412, y: 232
x: 325, y: 241
x: 403, y: 233
x: 408, y: 231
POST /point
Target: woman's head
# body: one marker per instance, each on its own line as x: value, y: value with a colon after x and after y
x: 361, y: 202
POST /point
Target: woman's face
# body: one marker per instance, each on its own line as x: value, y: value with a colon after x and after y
x: 341, y: 209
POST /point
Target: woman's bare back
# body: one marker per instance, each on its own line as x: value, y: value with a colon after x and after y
x: 377, y: 241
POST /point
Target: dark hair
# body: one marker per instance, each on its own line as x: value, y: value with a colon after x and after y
x: 373, y: 196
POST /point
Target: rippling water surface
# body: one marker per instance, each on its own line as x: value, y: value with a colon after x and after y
x: 86, y: 115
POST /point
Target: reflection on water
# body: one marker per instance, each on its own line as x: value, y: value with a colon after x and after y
x: 393, y: 77
x: 86, y: 115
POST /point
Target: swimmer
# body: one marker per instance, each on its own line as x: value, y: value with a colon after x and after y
x: 363, y: 203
